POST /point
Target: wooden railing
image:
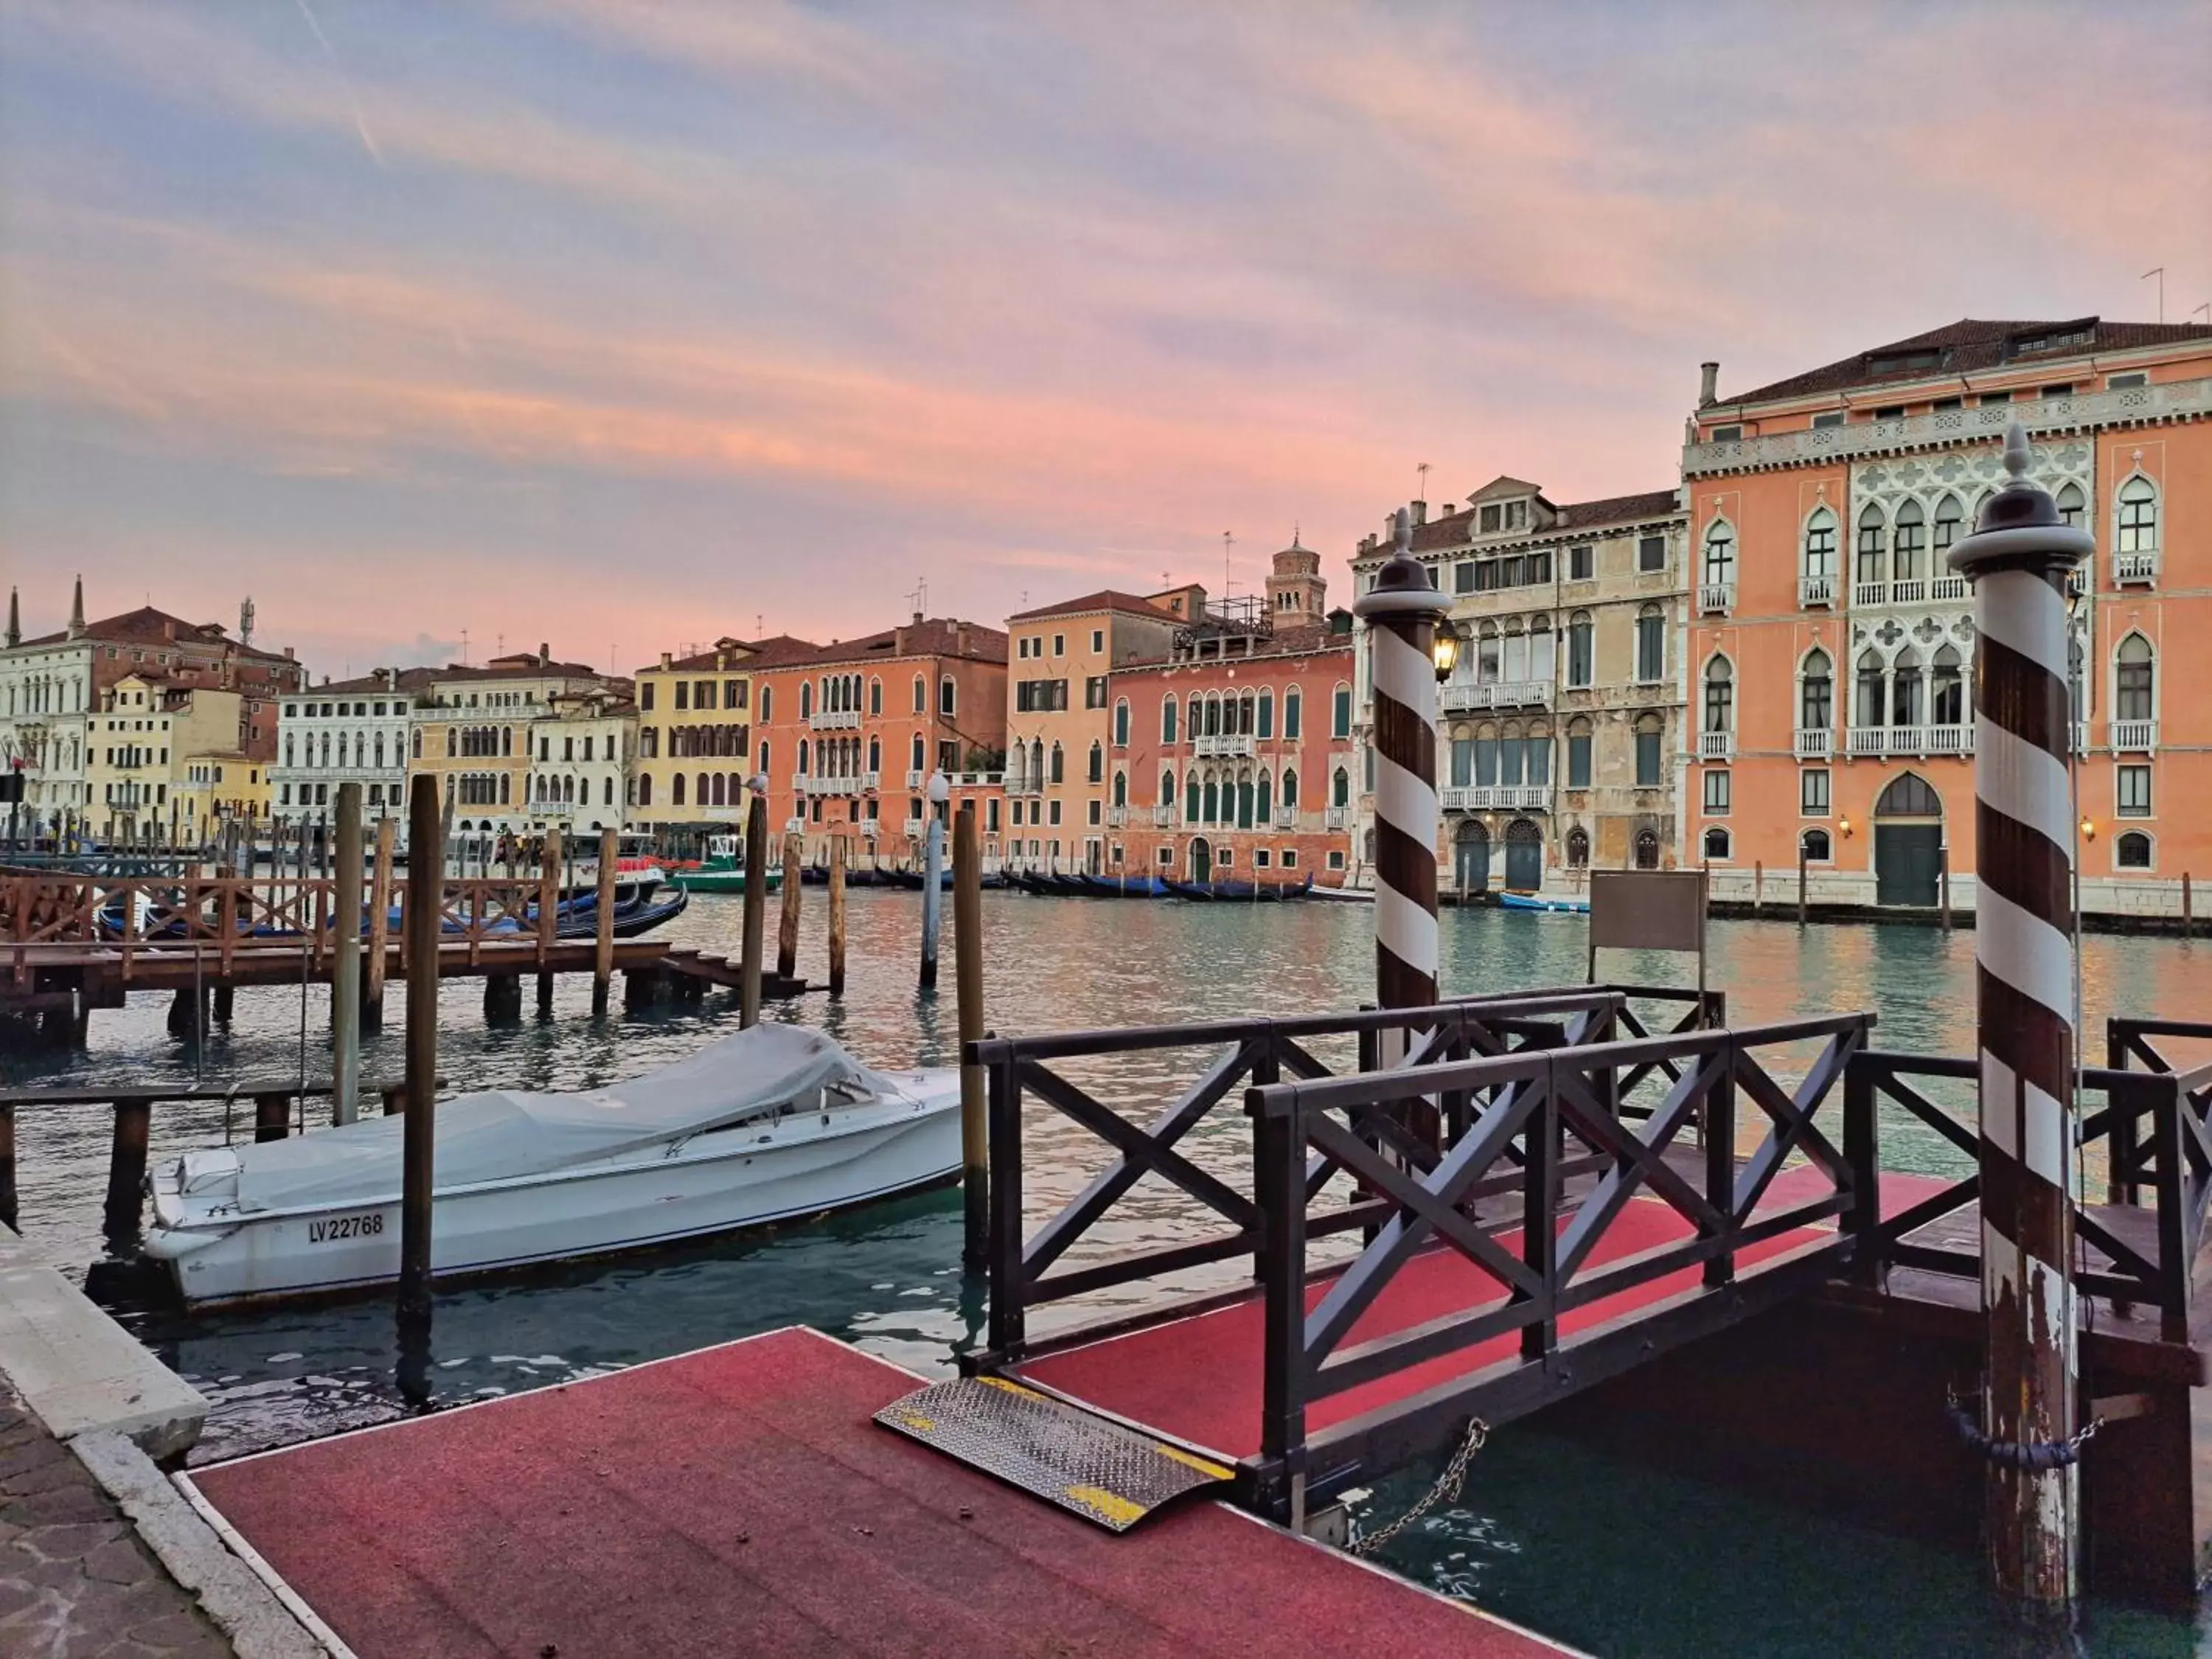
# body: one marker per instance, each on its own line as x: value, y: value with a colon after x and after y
x: 1249, y: 1052
x: 51, y: 917
x: 2154, y: 1125
x: 1538, y: 1103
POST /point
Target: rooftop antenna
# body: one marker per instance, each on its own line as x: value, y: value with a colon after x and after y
x: 1422, y: 492
x: 2158, y: 271
x: 499, y: 645
x: 2206, y: 308
x: 464, y: 648
x: 1228, y: 541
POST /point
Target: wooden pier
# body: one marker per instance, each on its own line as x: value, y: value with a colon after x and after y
x: 739, y: 1500
x: 71, y: 944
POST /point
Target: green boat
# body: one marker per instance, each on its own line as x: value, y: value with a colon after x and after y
x: 722, y: 871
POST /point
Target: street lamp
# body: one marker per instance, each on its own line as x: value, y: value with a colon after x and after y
x: 1444, y: 648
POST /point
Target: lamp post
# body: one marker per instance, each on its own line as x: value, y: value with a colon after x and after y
x: 2018, y: 560
x: 1401, y: 610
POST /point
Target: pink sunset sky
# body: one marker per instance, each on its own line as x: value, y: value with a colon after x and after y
x: 623, y: 326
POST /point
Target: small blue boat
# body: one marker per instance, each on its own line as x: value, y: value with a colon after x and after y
x: 1511, y: 901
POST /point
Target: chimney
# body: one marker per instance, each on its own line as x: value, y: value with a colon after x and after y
x: 898, y: 641
x: 1421, y: 512
x: 169, y: 629
x: 287, y: 654
x: 14, y: 620
x: 76, y: 610
x: 667, y: 660
x: 960, y: 639
x: 1708, y: 388
x: 545, y: 654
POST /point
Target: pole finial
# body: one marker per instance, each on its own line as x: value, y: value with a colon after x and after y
x: 2016, y: 452
x: 1402, y: 585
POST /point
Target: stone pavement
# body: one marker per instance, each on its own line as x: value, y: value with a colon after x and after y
x: 74, y: 1578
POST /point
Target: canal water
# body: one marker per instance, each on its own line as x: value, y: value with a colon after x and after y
x: 1611, y: 1558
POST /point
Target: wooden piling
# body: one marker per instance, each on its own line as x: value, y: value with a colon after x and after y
x: 425, y: 863
x: 932, y: 879
x: 1758, y: 887
x: 10, y: 1214
x: 379, y: 907
x: 968, y: 990
x: 345, y: 962
x: 787, y: 932
x: 272, y: 1117
x: 603, y: 963
x: 2188, y: 915
x: 549, y: 916
x: 126, y: 1164
x: 1800, y: 883
x: 1943, y: 884
x: 395, y: 1099
x: 836, y: 915
x: 756, y: 920
x: 225, y: 1001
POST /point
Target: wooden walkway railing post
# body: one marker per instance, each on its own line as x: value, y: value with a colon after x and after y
x: 425, y: 864
x: 602, y: 961
x: 379, y: 907
x: 345, y: 963
x: 968, y: 990
x: 755, y: 922
x: 549, y: 917
x: 126, y: 1166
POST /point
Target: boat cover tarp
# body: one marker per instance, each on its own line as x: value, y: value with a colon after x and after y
x: 500, y: 1133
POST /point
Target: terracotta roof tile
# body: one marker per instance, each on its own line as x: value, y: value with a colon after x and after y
x: 1105, y: 598
x: 1454, y: 528
x: 1972, y: 343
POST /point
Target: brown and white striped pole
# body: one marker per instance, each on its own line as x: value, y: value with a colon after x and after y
x: 1401, y: 610
x: 2018, y: 559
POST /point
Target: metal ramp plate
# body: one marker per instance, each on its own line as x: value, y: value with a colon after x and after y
x: 1102, y: 1471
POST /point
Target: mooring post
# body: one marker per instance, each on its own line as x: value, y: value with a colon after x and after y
x: 345, y: 964
x: 127, y: 1165
x: 1800, y: 882
x: 380, y: 907
x: 2018, y: 560
x: 603, y: 959
x: 2187, y: 914
x: 755, y: 922
x: 933, y: 878
x: 836, y: 915
x: 968, y: 992
x: 549, y: 917
x: 10, y: 1214
x: 272, y: 1117
x: 786, y: 926
x: 1401, y: 609
x: 425, y: 878
x: 1943, y: 878
x: 1758, y: 887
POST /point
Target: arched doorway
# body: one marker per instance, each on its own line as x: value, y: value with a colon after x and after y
x: 1524, y: 856
x: 1471, y: 857
x: 1201, y: 859
x: 1908, y: 841
x: 1647, y: 849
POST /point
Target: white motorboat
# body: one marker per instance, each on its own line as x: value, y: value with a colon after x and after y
x: 771, y: 1124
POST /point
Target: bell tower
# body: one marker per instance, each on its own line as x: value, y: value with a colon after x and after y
x: 1296, y: 591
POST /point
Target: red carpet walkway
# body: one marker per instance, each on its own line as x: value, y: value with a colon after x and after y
x: 737, y: 1501
x: 1199, y: 1379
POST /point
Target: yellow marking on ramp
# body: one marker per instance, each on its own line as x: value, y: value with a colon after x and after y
x: 1193, y: 1462
x: 1113, y: 1506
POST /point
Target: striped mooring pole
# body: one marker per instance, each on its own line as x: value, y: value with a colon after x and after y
x: 2018, y: 559
x: 1401, y: 610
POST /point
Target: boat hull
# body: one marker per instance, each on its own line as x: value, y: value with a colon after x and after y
x: 794, y: 1169
x: 1510, y: 901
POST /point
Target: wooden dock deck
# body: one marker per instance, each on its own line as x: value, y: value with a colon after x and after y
x: 739, y: 1501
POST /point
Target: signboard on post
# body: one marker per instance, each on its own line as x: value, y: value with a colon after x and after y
x: 1648, y: 911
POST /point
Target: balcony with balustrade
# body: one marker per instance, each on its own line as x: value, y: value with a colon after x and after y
x: 1715, y: 599
x: 1224, y: 746
x: 914, y: 776
x: 1814, y: 592
x: 1337, y: 817
x: 1287, y: 818
x: 2134, y: 737
x: 1812, y: 743
x: 1911, y: 742
x: 2134, y: 570
x: 835, y: 719
x: 1715, y: 746
x: 1163, y: 818
x: 1460, y: 697
x: 1493, y: 798
x: 1117, y: 817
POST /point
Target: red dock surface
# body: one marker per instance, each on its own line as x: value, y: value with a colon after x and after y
x: 1198, y: 1380
x: 739, y: 1501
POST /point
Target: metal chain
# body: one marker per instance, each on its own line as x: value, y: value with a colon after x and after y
x: 1448, y: 1486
